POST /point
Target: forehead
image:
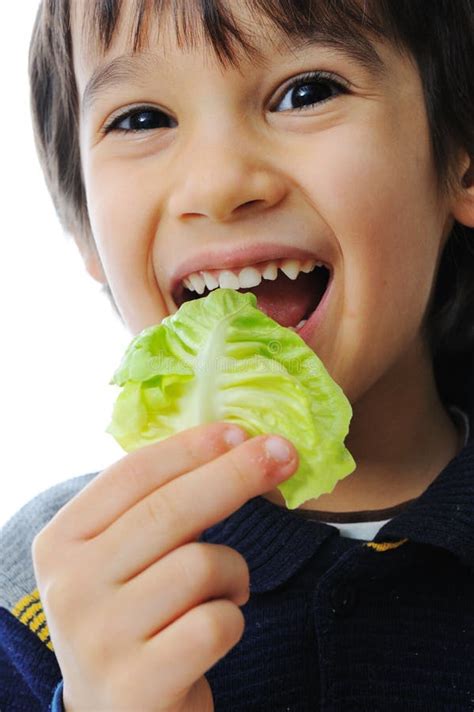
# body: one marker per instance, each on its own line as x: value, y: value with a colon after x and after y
x: 229, y: 32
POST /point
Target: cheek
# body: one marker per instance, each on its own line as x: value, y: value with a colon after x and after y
x: 117, y: 206
x: 124, y: 222
x: 374, y: 189
x: 375, y: 193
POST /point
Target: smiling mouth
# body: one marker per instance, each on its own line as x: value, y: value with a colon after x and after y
x: 290, y: 302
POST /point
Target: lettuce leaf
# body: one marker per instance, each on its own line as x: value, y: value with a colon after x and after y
x: 221, y: 358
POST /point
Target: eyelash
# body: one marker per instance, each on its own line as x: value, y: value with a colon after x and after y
x: 315, y: 77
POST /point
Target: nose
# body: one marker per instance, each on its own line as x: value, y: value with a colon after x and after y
x: 224, y: 178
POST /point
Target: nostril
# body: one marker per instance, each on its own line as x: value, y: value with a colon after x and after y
x: 193, y: 215
x: 249, y: 204
x: 223, y: 212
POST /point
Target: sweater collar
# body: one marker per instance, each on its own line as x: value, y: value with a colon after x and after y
x: 277, y: 542
x: 443, y: 515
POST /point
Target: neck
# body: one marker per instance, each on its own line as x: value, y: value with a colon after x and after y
x: 401, y: 437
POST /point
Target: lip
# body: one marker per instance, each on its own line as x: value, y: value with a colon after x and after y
x: 307, y: 330
x: 241, y: 257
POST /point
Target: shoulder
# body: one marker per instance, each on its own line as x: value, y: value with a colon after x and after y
x: 17, y: 581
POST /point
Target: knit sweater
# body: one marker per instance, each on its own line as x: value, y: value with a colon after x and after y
x: 332, y: 623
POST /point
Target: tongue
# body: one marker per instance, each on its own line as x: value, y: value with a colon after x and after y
x: 285, y: 300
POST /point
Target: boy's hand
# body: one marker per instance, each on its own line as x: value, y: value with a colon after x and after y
x: 137, y: 609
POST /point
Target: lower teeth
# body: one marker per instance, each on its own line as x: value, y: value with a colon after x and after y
x: 299, y: 325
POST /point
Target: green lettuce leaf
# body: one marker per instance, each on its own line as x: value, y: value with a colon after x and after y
x: 221, y: 358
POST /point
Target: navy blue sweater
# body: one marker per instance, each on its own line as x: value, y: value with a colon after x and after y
x: 332, y: 624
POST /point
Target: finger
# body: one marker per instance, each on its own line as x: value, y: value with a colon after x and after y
x: 183, y: 579
x: 180, y: 510
x: 127, y: 481
x: 189, y: 647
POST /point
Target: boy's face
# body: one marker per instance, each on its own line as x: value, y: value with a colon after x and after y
x: 229, y: 162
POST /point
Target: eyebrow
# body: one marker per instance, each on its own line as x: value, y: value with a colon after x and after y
x: 120, y: 70
x: 128, y: 68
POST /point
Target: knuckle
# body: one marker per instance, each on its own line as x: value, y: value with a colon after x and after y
x: 203, y: 561
x: 239, y: 471
x: 190, y: 447
x: 236, y: 624
x: 161, y: 510
x: 240, y: 560
x: 255, y: 462
x: 220, y: 625
x: 212, y: 437
x: 42, y: 552
x: 56, y: 598
x: 68, y: 591
x: 244, y: 573
x: 238, y: 563
x: 203, y: 442
x: 191, y: 441
x: 134, y: 468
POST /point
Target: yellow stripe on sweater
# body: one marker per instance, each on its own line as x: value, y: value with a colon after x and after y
x: 385, y: 545
x: 29, y: 611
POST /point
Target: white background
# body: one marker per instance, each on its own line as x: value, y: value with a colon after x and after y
x: 60, y: 340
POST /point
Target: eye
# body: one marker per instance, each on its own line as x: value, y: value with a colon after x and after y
x: 310, y: 89
x: 140, y: 118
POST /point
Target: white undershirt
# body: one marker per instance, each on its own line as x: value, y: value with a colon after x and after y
x: 359, y: 530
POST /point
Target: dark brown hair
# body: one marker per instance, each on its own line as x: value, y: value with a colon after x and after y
x: 439, y: 35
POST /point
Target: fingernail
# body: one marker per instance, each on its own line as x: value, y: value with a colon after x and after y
x: 278, y: 449
x: 234, y: 436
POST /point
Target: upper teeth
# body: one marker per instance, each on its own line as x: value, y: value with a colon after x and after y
x: 245, y: 277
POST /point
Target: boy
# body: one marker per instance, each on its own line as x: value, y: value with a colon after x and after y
x: 187, y: 137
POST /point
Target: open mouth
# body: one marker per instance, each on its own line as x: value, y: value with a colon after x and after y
x: 290, y: 297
